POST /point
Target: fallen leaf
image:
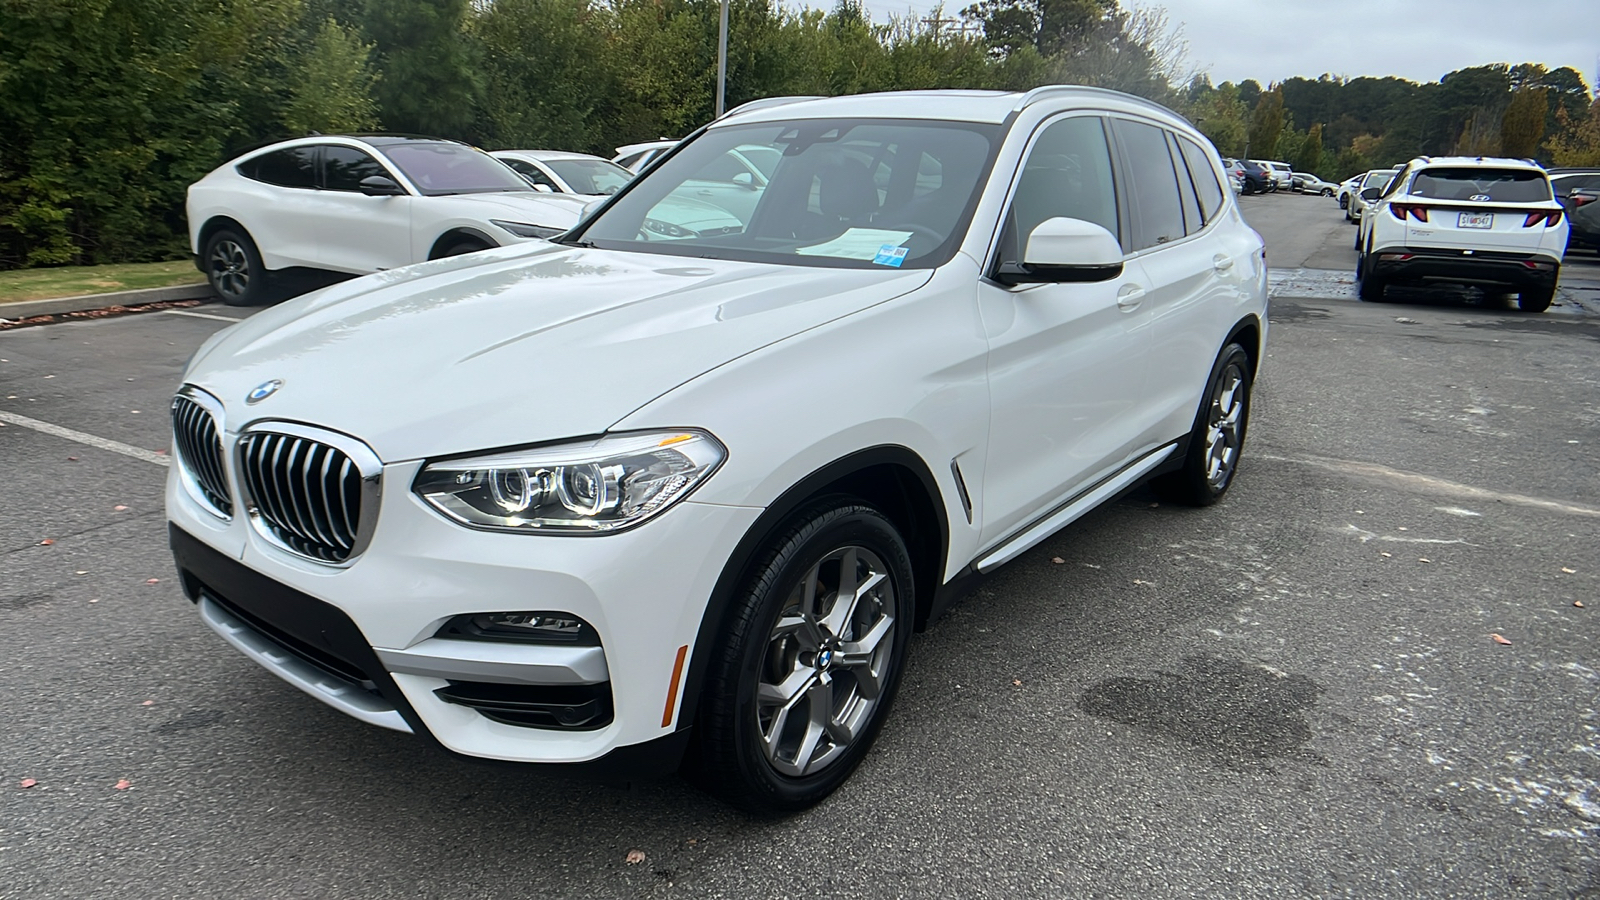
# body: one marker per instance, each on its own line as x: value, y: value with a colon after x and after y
x: 123, y: 784
x: 118, y: 508
x: 1057, y: 560
x: 47, y: 542
x: 1578, y: 603
x: 1499, y: 640
x: 81, y: 572
x: 152, y: 581
x: 95, y: 600
x: 49, y: 376
x: 148, y: 703
x: 27, y: 783
x: 161, y: 453
x: 1017, y: 682
x: 1384, y: 553
x: 635, y: 857
x: 692, y: 841
x: 134, y: 411
x: 1569, y: 571
x: 1423, y: 559
x: 72, y: 459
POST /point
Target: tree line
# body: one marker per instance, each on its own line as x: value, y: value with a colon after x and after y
x: 109, y: 109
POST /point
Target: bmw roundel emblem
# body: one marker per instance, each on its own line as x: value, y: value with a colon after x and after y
x: 263, y: 391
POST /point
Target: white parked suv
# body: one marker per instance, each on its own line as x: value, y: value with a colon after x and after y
x: 1465, y: 220
x: 576, y: 502
x: 358, y: 204
x: 560, y: 172
x: 1365, y: 191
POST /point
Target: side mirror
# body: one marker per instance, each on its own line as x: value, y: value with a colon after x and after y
x: 590, y: 207
x: 380, y: 186
x: 745, y: 179
x: 1371, y: 193
x: 1062, y: 250
x: 543, y: 188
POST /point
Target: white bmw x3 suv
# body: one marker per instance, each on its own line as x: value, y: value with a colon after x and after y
x: 574, y: 502
x: 358, y: 204
x: 1467, y: 220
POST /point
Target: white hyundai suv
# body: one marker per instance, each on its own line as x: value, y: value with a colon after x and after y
x: 1466, y: 220
x: 576, y: 502
x: 358, y: 204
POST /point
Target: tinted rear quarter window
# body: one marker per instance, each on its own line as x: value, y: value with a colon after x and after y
x: 1482, y: 185
x: 294, y: 167
x: 1205, y: 177
x: 1152, y: 184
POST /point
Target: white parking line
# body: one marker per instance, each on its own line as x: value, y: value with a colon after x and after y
x: 185, y: 312
x: 139, y: 453
x: 1427, y: 484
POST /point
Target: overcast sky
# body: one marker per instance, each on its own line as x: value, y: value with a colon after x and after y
x: 1420, y: 40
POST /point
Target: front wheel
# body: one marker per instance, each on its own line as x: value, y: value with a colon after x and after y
x: 233, y: 267
x: 809, y: 660
x: 1217, y: 438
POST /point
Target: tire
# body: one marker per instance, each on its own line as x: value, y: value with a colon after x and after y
x: 1344, y: 204
x: 459, y: 247
x: 765, y: 755
x: 1536, y: 299
x: 233, y: 267
x: 1217, y: 439
x: 1369, y: 287
x: 1327, y: 192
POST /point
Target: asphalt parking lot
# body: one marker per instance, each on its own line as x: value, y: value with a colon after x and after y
x: 1295, y: 693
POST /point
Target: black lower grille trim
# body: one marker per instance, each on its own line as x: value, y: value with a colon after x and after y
x: 568, y: 707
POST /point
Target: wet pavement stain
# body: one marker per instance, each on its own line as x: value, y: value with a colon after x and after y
x: 1242, y: 715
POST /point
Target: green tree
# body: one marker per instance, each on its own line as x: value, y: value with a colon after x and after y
x: 1578, y: 143
x: 1522, y: 127
x: 1309, y: 158
x: 330, y: 86
x: 430, y: 83
x: 1266, y: 125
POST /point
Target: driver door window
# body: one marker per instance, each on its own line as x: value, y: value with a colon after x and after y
x: 1068, y: 173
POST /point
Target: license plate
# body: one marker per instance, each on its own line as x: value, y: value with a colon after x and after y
x: 1475, y: 220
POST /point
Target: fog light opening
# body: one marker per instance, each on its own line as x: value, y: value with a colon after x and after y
x: 539, y: 627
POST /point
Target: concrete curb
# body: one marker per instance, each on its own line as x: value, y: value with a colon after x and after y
x: 28, y: 308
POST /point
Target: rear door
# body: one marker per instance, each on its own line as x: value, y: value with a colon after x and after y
x: 1478, y: 208
x: 1066, y: 361
x: 359, y: 233
x: 277, y: 205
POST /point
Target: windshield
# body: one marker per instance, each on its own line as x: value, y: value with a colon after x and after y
x: 1377, y: 179
x: 837, y: 192
x: 590, y: 176
x: 1475, y: 184
x: 441, y: 168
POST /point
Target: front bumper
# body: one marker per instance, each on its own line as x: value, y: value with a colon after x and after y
x: 365, y: 638
x: 1484, y: 267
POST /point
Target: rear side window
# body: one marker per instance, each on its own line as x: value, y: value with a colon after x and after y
x: 294, y: 167
x: 1482, y: 185
x: 1191, y: 204
x: 1205, y: 177
x: 1152, y: 184
x: 344, y: 167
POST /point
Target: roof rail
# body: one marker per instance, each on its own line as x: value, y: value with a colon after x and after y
x: 766, y: 102
x: 1053, y: 90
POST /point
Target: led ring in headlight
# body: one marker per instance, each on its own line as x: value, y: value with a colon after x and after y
x: 581, y: 488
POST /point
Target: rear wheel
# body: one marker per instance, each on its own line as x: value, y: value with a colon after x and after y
x: 460, y: 246
x: 1369, y: 287
x: 233, y: 267
x: 1217, y: 438
x: 1536, y: 299
x: 1327, y: 192
x: 809, y: 660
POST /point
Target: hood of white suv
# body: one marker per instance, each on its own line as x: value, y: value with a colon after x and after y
x: 529, y: 207
x: 523, y: 344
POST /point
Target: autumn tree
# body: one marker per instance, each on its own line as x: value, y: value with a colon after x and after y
x: 1309, y: 158
x: 1266, y: 125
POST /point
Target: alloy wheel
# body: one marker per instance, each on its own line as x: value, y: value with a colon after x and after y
x: 826, y: 663
x: 229, y: 268
x: 1224, y: 433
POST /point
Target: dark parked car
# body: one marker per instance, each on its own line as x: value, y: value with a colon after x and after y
x: 1257, y: 177
x: 1578, y: 190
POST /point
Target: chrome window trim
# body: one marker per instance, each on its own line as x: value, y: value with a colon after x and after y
x: 186, y: 477
x: 359, y: 454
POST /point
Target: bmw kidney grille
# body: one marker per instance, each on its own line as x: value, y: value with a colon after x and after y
x: 199, y: 446
x: 306, y: 494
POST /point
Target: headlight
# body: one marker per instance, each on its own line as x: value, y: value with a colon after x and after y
x: 591, y: 487
x: 523, y: 229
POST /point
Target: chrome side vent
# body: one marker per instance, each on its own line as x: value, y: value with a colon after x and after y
x: 198, y: 441
x: 311, y: 492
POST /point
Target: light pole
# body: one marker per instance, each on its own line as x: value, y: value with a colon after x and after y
x: 722, y: 61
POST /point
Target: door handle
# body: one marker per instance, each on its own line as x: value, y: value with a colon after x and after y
x: 1222, y: 263
x: 1129, y: 297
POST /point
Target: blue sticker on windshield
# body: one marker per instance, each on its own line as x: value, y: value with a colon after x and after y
x: 890, y: 255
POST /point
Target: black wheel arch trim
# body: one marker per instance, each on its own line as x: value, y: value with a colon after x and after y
x: 737, y: 568
x: 212, y: 226
x: 454, y: 234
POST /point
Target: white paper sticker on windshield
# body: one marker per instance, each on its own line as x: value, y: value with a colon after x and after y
x: 857, y: 243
